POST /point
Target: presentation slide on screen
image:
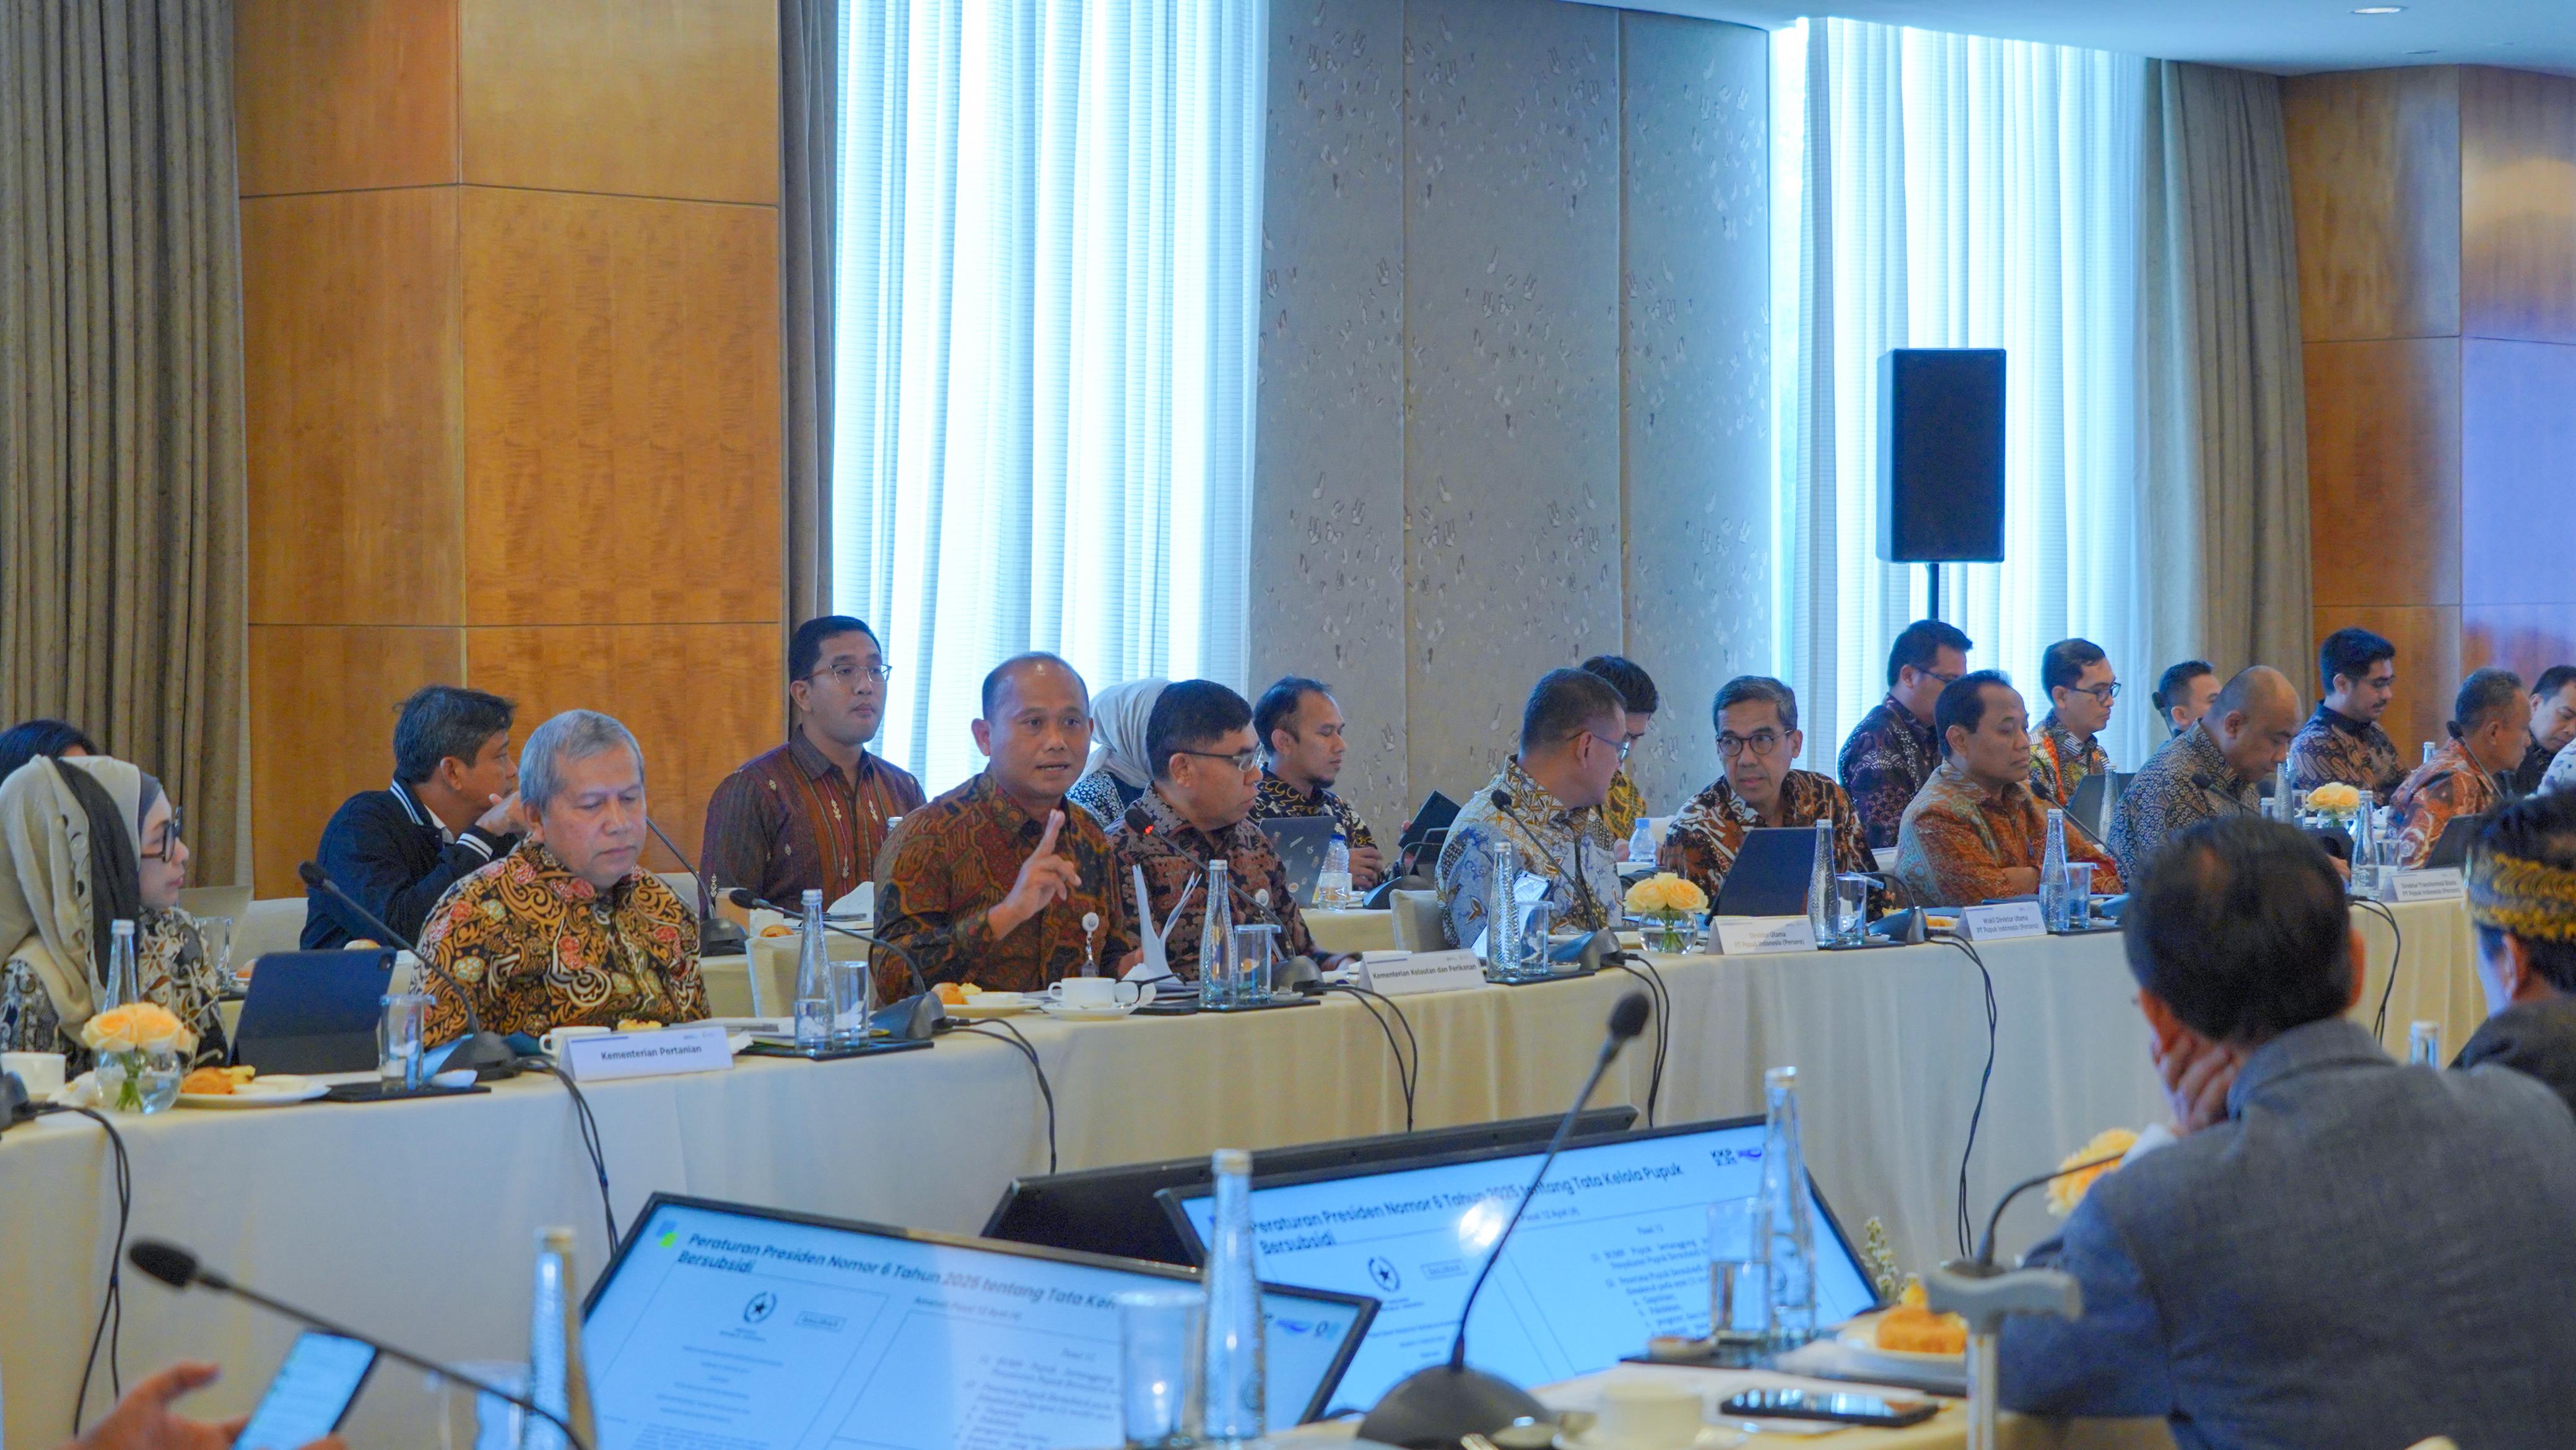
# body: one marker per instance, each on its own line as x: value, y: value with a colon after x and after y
x: 725, y: 1331
x: 1614, y: 1250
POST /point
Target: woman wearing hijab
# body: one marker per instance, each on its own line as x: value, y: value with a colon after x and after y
x: 1119, y: 770
x: 85, y: 842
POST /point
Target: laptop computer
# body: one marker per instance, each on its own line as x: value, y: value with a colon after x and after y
x: 1301, y: 842
x: 1770, y: 874
x: 313, y: 1012
x: 2094, y: 796
x: 718, y: 1323
x: 2451, y: 848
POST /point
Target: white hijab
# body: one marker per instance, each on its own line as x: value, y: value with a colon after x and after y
x: 1118, y: 716
x: 45, y: 877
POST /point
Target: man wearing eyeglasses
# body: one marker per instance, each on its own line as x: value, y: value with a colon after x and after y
x: 1547, y: 803
x: 1207, y: 770
x: 1757, y: 738
x: 812, y: 814
x: 1894, y: 749
x: 2066, y: 745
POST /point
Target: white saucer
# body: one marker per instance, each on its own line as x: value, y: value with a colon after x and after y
x: 1086, y: 1014
x: 275, y: 1091
x: 991, y: 1004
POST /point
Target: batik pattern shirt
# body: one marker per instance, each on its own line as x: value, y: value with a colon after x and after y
x: 539, y: 948
x: 1621, y: 809
x: 2447, y: 786
x: 2562, y: 771
x: 2187, y: 782
x: 952, y: 861
x: 1550, y: 840
x: 2059, y: 762
x: 173, y: 970
x: 1701, y: 843
x: 1278, y: 800
x: 1174, y: 853
x: 2526, y: 777
x: 1105, y: 796
x: 2334, y: 747
x: 1959, y: 838
x: 789, y: 821
x: 1888, y: 757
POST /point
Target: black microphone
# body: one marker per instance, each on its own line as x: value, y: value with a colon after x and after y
x: 1986, y: 1246
x: 916, y: 1016
x: 1444, y: 1404
x: 491, y: 1058
x: 179, y: 1268
x: 716, y: 936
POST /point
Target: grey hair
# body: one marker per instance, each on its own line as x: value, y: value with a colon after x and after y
x: 2483, y: 696
x: 1753, y: 689
x: 572, y: 735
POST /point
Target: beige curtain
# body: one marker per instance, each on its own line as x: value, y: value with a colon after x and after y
x: 809, y: 92
x: 122, y: 593
x: 2222, y: 417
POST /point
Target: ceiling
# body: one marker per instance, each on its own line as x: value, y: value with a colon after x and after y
x: 2285, y: 36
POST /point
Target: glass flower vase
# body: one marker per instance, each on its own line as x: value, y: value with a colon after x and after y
x: 1668, y: 932
x: 139, y: 1080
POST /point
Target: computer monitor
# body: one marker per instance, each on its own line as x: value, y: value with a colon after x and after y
x: 1113, y: 1210
x: 760, y: 1330
x: 1614, y: 1251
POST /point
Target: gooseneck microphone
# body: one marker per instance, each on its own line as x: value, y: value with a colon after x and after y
x: 1986, y: 1245
x: 485, y: 1052
x: 180, y: 1268
x: 914, y: 1017
x: 1448, y: 1402
x: 716, y: 936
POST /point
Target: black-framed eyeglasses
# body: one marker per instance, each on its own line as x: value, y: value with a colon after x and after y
x: 1764, y: 744
x: 169, y: 840
x: 851, y: 675
x: 1246, y: 761
x: 2105, y: 693
x: 1948, y: 679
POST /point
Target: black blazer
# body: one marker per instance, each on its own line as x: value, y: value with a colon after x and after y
x: 385, y: 848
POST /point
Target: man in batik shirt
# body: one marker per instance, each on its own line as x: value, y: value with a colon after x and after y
x: 2553, y: 727
x: 1975, y: 832
x: 1757, y: 737
x: 568, y: 929
x: 1894, y: 748
x: 1299, y: 725
x: 2066, y: 745
x: 1621, y: 809
x: 2343, y: 742
x: 2489, y: 720
x: 2215, y: 768
x: 1572, y: 733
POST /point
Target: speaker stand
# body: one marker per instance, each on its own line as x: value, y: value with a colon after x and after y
x: 1932, y: 595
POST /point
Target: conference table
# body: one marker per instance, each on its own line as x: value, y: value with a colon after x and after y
x: 417, y: 1219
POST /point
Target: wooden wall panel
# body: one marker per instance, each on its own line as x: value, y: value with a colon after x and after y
x: 2524, y: 638
x: 2375, y: 192
x: 700, y: 698
x: 322, y: 704
x: 342, y: 95
x: 2384, y: 471
x: 355, y: 407
x: 2428, y: 667
x: 621, y: 383
x: 2518, y: 205
x: 678, y: 98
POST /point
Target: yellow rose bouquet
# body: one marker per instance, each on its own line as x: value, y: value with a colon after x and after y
x: 1667, y: 903
x: 2068, y: 1190
x: 139, y: 1047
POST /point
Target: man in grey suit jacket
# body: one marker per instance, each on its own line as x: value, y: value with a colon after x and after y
x: 2357, y: 1254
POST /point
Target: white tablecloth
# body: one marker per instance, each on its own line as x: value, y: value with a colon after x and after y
x: 416, y: 1219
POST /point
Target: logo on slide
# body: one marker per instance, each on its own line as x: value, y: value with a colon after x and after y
x: 762, y: 1305
x: 670, y: 1238
x: 1385, y: 1275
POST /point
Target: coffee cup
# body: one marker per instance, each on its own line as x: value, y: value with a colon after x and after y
x: 1644, y: 1416
x: 42, y: 1072
x: 553, y: 1042
x: 1094, y: 994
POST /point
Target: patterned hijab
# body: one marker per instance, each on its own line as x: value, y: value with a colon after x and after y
x: 1118, y: 716
x: 70, y: 865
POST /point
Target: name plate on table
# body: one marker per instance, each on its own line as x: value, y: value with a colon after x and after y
x: 2435, y: 884
x: 610, y: 1056
x: 2002, y: 921
x: 1757, y: 936
x: 1408, y: 976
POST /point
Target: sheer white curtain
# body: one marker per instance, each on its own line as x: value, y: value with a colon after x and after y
x: 1948, y: 191
x: 1050, y: 233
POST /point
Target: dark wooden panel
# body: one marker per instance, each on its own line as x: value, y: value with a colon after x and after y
x: 339, y: 95
x: 2384, y: 471
x: 2375, y: 193
x: 354, y: 403
x: 2517, y: 472
x: 322, y: 727
x: 2428, y: 667
x: 621, y: 385
x: 2518, y: 204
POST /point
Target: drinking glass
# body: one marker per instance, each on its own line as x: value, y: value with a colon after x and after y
x: 850, y: 1004
x: 1158, y: 1355
x: 1250, y: 957
x: 2079, y: 896
x: 399, y: 1064
x: 215, y: 935
x: 1739, y: 1242
x: 1851, y: 909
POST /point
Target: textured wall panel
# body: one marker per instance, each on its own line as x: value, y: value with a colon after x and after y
x: 2384, y: 471
x: 344, y: 95
x: 1328, y: 506
x: 322, y: 728
x: 2375, y: 198
x: 2517, y: 205
x: 1512, y: 344
x: 1696, y: 377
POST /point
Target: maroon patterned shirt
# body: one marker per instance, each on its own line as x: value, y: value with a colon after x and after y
x: 789, y: 821
x: 1887, y: 759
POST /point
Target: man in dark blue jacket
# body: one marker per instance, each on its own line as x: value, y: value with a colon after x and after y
x: 453, y: 808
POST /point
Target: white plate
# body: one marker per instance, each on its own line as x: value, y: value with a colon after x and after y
x: 275, y: 1091
x: 991, y: 1004
x: 1861, y: 1337
x: 1085, y: 1014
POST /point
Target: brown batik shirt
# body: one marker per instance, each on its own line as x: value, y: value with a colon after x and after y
x: 1173, y: 853
x: 953, y: 860
x: 789, y: 821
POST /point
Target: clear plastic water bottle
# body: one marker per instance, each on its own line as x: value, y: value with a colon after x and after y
x: 2365, y: 847
x: 2428, y: 752
x: 1333, y: 883
x: 2054, y: 908
x: 1820, y: 884
x: 2283, y: 804
x: 813, y: 980
x: 557, y: 1380
x: 124, y: 983
x: 1503, y: 914
x: 2424, y: 1043
x: 1232, y: 1370
x: 1641, y: 842
x: 1792, y: 1259
x: 1217, y: 985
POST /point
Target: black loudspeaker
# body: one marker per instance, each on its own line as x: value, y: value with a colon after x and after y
x: 1941, y: 455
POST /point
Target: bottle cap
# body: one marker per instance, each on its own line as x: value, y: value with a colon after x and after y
x: 1233, y: 1161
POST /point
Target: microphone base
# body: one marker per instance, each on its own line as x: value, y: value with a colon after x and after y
x: 488, y: 1054
x: 910, y: 1019
x: 1437, y: 1408
x: 718, y: 937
